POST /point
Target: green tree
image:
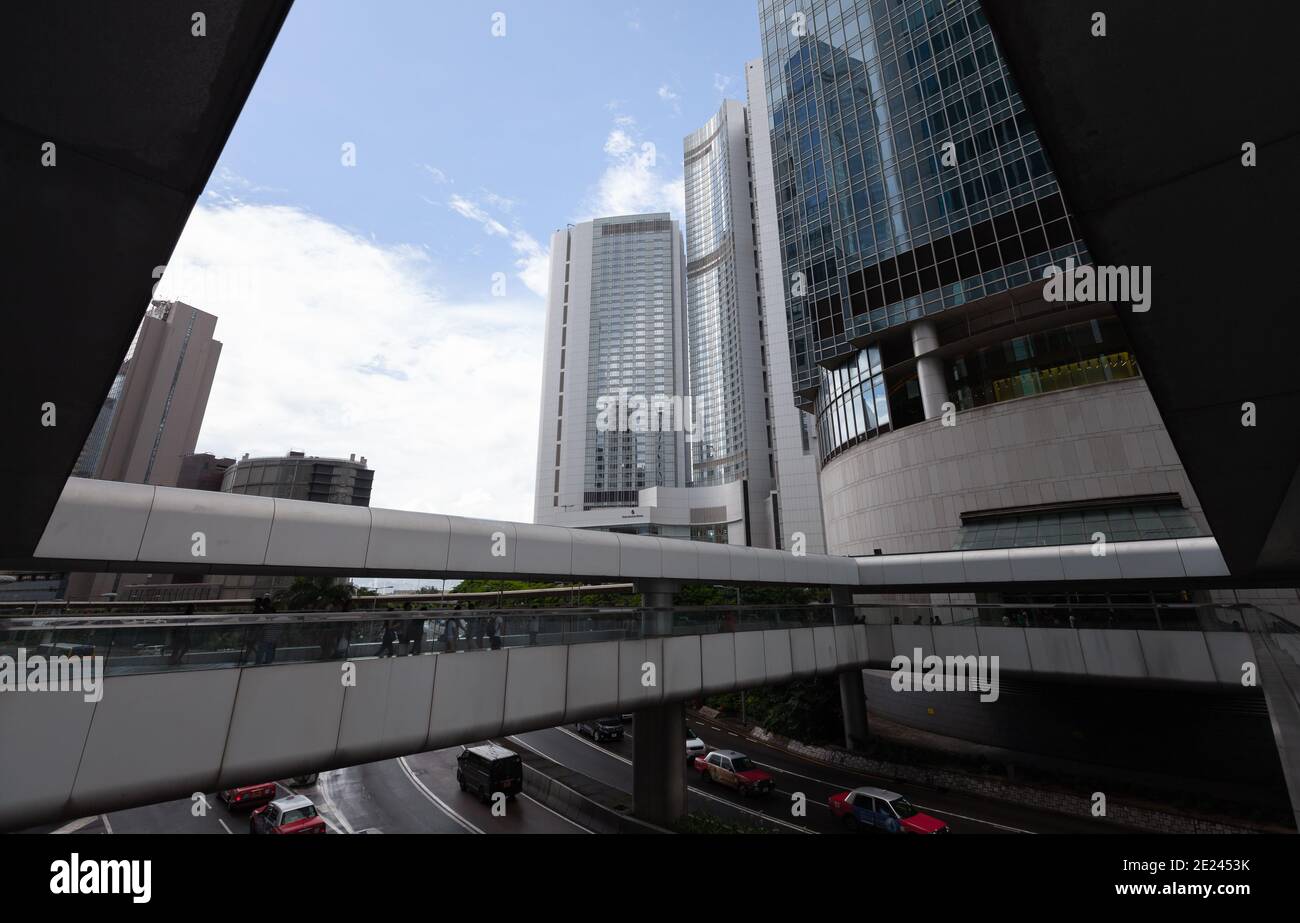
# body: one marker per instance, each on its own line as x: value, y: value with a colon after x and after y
x: 314, y: 593
x: 805, y: 709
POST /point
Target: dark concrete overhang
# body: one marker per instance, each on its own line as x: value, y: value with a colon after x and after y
x: 1144, y: 128
x: 138, y: 109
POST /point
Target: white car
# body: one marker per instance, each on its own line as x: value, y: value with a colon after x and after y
x: 694, y: 746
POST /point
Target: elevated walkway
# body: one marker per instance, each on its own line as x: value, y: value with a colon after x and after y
x: 109, y: 526
x: 201, y: 703
x: 193, y: 706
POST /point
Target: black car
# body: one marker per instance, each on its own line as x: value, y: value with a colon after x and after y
x: 487, y: 769
x: 602, y: 728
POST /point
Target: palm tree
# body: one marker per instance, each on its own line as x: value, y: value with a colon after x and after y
x: 306, y: 593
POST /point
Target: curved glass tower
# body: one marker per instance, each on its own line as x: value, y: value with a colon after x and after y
x: 742, y: 441
x: 719, y: 342
x: 916, y: 213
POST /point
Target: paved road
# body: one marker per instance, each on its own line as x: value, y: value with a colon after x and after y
x: 964, y: 813
x: 414, y: 794
x: 610, y: 762
x: 178, y: 817
x: 419, y: 794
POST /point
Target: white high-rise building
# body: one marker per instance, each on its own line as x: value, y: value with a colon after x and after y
x: 751, y: 434
x: 667, y: 405
x: 615, y: 413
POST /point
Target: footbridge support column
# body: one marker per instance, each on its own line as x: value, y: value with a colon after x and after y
x: 659, y: 764
x: 659, y: 744
x: 853, y: 695
x: 657, y: 601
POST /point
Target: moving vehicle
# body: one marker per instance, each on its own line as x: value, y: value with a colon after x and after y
x: 735, y: 770
x: 694, y: 746
x: 879, y: 809
x: 602, y: 728
x: 248, y: 796
x: 487, y: 769
x: 294, y: 814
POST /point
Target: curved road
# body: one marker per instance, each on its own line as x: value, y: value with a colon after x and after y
x: 414, y: 794
x: 611, y: 763
x: 419, y: 794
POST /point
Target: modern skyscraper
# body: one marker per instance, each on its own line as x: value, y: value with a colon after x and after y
x: 156, y: 405
x: 154, y: 410
x: 93, y: 449
x: 615, y: 413
x: 956, y: 406
x: 743, y: 437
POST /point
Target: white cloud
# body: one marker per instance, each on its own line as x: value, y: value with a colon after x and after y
x: 438, y: 175
x: 619, y: 142
x: 473, y: 212
x: 533, y: 264
x: 671, y: 98
x: 721, y: 83
x: 499, y: 201
x: 633, y: 180
x: 336, y: 344
x: 378, y: 365
x: 227, y: 184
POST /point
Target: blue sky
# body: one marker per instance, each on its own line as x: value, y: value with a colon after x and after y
x: 355, y: 304
x: 514, y: 127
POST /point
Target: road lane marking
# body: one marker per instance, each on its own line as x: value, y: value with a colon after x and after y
x: 437, y: 802
x: 528, y: 746
x: 330, y: 805
x: 976, y: 820
x: 702, y: 794
x: 556, y: 813
x: 108, y: 828
x: 74, y: 826
x: 224, y: 827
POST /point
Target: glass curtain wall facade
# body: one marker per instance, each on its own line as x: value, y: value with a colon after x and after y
x: 614, y: 392
x: 917, y: 213
x: 713, y: 302
x: 632, y: 355
x: 909, y: 177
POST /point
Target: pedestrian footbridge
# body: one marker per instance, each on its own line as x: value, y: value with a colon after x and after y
x: 110, y: 526
x: 200, y: 703
x: 197, y: 705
